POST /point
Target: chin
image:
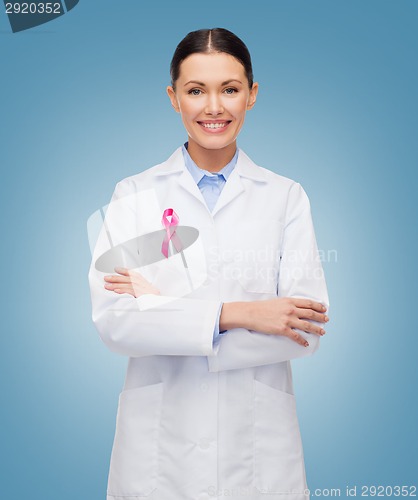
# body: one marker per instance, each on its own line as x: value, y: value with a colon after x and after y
x: 214, y: 142
x: 214, y: 145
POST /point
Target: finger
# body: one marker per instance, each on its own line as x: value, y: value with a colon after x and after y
x: 308, y: 327
x: 296, y: 337
x: 132, y: 275
x: 113, y: 278
x: 312, y: 315
x: 122, y: 270
x: 309, y: 304
x: 122, y: 286
x: 140, y: 283
x: 118, y: 286
x: 119, y: 290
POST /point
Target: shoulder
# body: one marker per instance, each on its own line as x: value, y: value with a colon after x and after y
x: 280, y: 184
x: 146, y: 178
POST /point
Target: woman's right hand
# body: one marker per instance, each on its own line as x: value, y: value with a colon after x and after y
x: 278, y: 316
x: 129, y: 281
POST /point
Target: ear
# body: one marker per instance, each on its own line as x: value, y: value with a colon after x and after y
x: 173, y: 98
x: 253, y: 96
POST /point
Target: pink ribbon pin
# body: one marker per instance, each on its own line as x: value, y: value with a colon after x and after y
x: 170, y: 227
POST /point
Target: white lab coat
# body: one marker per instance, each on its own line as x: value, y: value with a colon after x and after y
x: 197, y: 420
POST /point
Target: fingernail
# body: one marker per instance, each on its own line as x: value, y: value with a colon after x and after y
x: 322, y: 332
x: 306, y: 344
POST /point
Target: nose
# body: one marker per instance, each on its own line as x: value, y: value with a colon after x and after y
x: 214, y: 105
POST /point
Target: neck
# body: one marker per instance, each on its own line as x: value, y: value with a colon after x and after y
x: 211, y: 160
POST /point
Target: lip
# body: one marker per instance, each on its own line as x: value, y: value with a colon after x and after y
x: 214, y: 130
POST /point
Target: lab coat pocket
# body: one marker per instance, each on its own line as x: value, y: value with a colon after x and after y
x: 134, y: 460
x: 278, y: 454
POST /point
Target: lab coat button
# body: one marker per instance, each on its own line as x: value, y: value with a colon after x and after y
x: 204, y: 444
x: 207, y: 282
x: 204, y: 387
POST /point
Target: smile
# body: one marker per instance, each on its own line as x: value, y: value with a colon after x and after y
x: 214, y: 126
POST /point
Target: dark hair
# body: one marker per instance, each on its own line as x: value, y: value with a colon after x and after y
x: 208, y: 41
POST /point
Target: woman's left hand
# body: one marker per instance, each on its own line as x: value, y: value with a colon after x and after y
x: 131, y: 282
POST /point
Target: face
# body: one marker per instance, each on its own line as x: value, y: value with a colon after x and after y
x: 212, y: 96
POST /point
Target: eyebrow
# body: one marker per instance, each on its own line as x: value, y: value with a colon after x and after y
x: 203, y: 85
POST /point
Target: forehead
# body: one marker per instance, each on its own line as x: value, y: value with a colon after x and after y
x: 211, y: 68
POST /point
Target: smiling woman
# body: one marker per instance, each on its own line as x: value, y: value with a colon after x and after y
x: 212, y: 104
x: 210, y: 328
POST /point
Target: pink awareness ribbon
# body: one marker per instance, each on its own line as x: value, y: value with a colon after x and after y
x: 170, y: 227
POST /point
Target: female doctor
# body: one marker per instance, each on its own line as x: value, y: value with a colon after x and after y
x: 208, y: 409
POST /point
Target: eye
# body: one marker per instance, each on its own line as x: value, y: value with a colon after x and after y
x: 230, y: 90
x: 194, y: 91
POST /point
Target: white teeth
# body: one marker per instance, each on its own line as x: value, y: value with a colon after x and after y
x: 214, y: 125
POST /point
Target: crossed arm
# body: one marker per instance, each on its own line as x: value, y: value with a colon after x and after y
x: 127, y: 309
x: 277, y: 316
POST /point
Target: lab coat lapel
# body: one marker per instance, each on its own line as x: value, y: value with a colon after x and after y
x: 187, y: 182
x: 234, y: 186
x: 231, y: 190
x: 175, y: 165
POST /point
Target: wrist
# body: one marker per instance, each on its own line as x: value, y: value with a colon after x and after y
x: 235, y: 315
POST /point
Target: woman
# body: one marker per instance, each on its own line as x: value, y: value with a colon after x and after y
x: 211, y: 322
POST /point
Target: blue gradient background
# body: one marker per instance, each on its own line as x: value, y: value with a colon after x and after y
x: 83, y: 105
